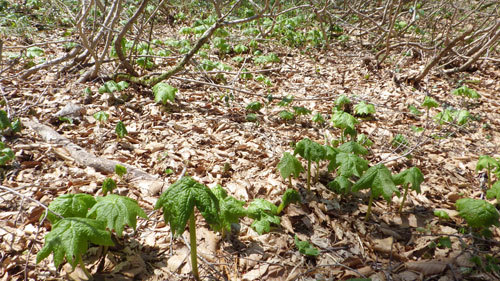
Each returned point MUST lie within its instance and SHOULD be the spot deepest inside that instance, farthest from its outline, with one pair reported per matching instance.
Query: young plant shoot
(288, 166)
(411, 176)
(311, 151)
(290, 196)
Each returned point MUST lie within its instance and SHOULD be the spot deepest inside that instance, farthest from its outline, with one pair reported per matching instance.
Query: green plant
(111, 87)
(318, 118)
(285, 101)
(409, 176)
(443, 215)
(467, 92)
(286, 115)
(413, 110)
(164, 93)
(8, 126)
(379, 180)
(120, 170)
(489, 164)
(399, 141)
(311, 151)
(121, 130)
(363, 109)
(264, 214)
(101, 116)
(290, 196)
(178, 203)
(342, 103)
(6, 154)
(305, 248)
(288, 166)
(478, 213)
(251, 117)
(300, 110)
(429, 103)
(346, 122)
(254, 106)
(231, 209)
(108, 185)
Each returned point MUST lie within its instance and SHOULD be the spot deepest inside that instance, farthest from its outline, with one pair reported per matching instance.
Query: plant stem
(316, 178)
(281, 207)
(192, 241)
(369, 211)
(489, 175)
(290, 181)
(404, 198)
(308, 175)
(82, 266)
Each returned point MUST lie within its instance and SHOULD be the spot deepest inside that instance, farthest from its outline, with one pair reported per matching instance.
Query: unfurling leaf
(310, 150)
(290, 196)
(231, 209)
(70, 238)
(364, 109)
(70, 205)
(305, 248)
(120, 130)
(350, 164)
(411, 176)
(120, 170)
(179, 200)
(477, 213)
(344, 120)
(340, 185)
(164, 93)
(116, 211)
(101, 116)
(377, 178)
(264, 214)
(289, 165)
(108, 185)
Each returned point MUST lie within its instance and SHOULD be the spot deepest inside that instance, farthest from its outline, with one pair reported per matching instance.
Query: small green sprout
(311, 151)
(101, 116)
(290, 196)
(364, 110)
(254, 106)
(409, 176)
(120, 130)
(467, 92)
(164, 93)
(286, 115)
(108, 185)
(288, 166)
(305, 248)
(318, 118)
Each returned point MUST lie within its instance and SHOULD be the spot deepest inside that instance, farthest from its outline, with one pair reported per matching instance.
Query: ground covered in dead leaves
(206, 132)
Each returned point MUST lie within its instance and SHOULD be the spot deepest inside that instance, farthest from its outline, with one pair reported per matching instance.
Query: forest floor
(209, 135)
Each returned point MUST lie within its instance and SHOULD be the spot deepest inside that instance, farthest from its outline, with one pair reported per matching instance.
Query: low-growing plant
(318, 118)
(111, 87)
(120, 130)
(120, 170)
(345, 122)
(364, 109)
(467, 92)
(164, 93)
(479, 214)
(300, 110)
(101, 116)
(489, 164)
(264, 214)
(312, 152)
(254, 106)
(288, 166)
(286, 115)
(231, 209)
(290, 196)
(305, 247)
(409, 176)
(6, 154)
(8, 126)
(429, 103)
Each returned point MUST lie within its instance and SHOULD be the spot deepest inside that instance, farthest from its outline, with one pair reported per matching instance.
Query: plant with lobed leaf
(311, 151)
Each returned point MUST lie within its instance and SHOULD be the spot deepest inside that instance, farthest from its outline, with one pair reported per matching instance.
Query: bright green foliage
(254, 106)
(353, 147)
(101, 116)
(429, 102)
(264, 80)
(240, 49)
(111, 87)
(364, 140)
(364, 109)
(300, 110)
(285, 101)
(462, 116)
(164, 93)
(70, 205)
(116, 211)
(466, 92)
(33, 52)
(445, 116)
(179, 200)
(290, 196)
(305, 248)
(251, 117)
(441, 214)
(6, 154)
(289, 165)
(487, 162)
(4, 120)
(264, 214)
(413, 110)
(399, 141)
(120, 130)
(340, 185)
(231, 209)
(341, 101)
(286, 115)
(379, 179)
(108, 185)
(344, 120)
(477, 213)
(409, 176)
(70, 238)
(331, 154)
(120, 170)
(264, 59)
(350, 164)
(494, 192)
(245, 74)
(310, 150)
(16, 125)
(318, 118)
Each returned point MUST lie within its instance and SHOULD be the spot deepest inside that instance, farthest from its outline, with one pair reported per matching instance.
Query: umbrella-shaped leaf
(310, 150)
(353, 147)
(231, 209)
(364, 109)
(487, 162)
(411, 176)
(494, 192)
(477, 213)
(340, 185)
(71, 205)
(264, 214)
(179, 200)
(164, 93)
(429, 102)
(342, 100)
(289, 165)
(344, 120)
(70, 238)
(350, 164)
(117, 211)
(377, 178)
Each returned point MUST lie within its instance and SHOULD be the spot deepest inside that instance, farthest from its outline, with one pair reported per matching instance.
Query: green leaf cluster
(111, 87)
(478, 213)
(467, 92)
(164, 93)
(6, 154)
(306, 248)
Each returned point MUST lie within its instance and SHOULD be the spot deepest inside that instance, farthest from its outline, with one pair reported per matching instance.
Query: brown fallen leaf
(427, 267)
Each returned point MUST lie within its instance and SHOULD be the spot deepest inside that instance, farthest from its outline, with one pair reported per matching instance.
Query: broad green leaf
(340, 185)
(70, 238)
(342, 100)
(364, 109)
(429, 102)
(300, 110)
(116, 211)
(411, 176)
(477, 213)
(413, 110)
(258, 206)
(318, 118)
(310, 150)
(466, 92)
(285, 101)
(487, 162)
(179, 200)
(4, 120)
(70, 205)
(289, 165)
(353, 147)
(16, 125)
(290, 196)
(263, 224)
(101, 116)
(444, 242)
(377, 178)
(344, 120)
(494, 192)
(305, 248)
(6, 155)
(33, 52)
(120, 130)
(240, 49)
(364, 140)
(462, 116)
(231, 209)
(445, 116)
(399, 141)
(331, 154)
(108, 185)
(441, 214)
(286, 115)
(111, 87)
(164, 93)
(120, 170)
(254, 106)
(350, 164)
